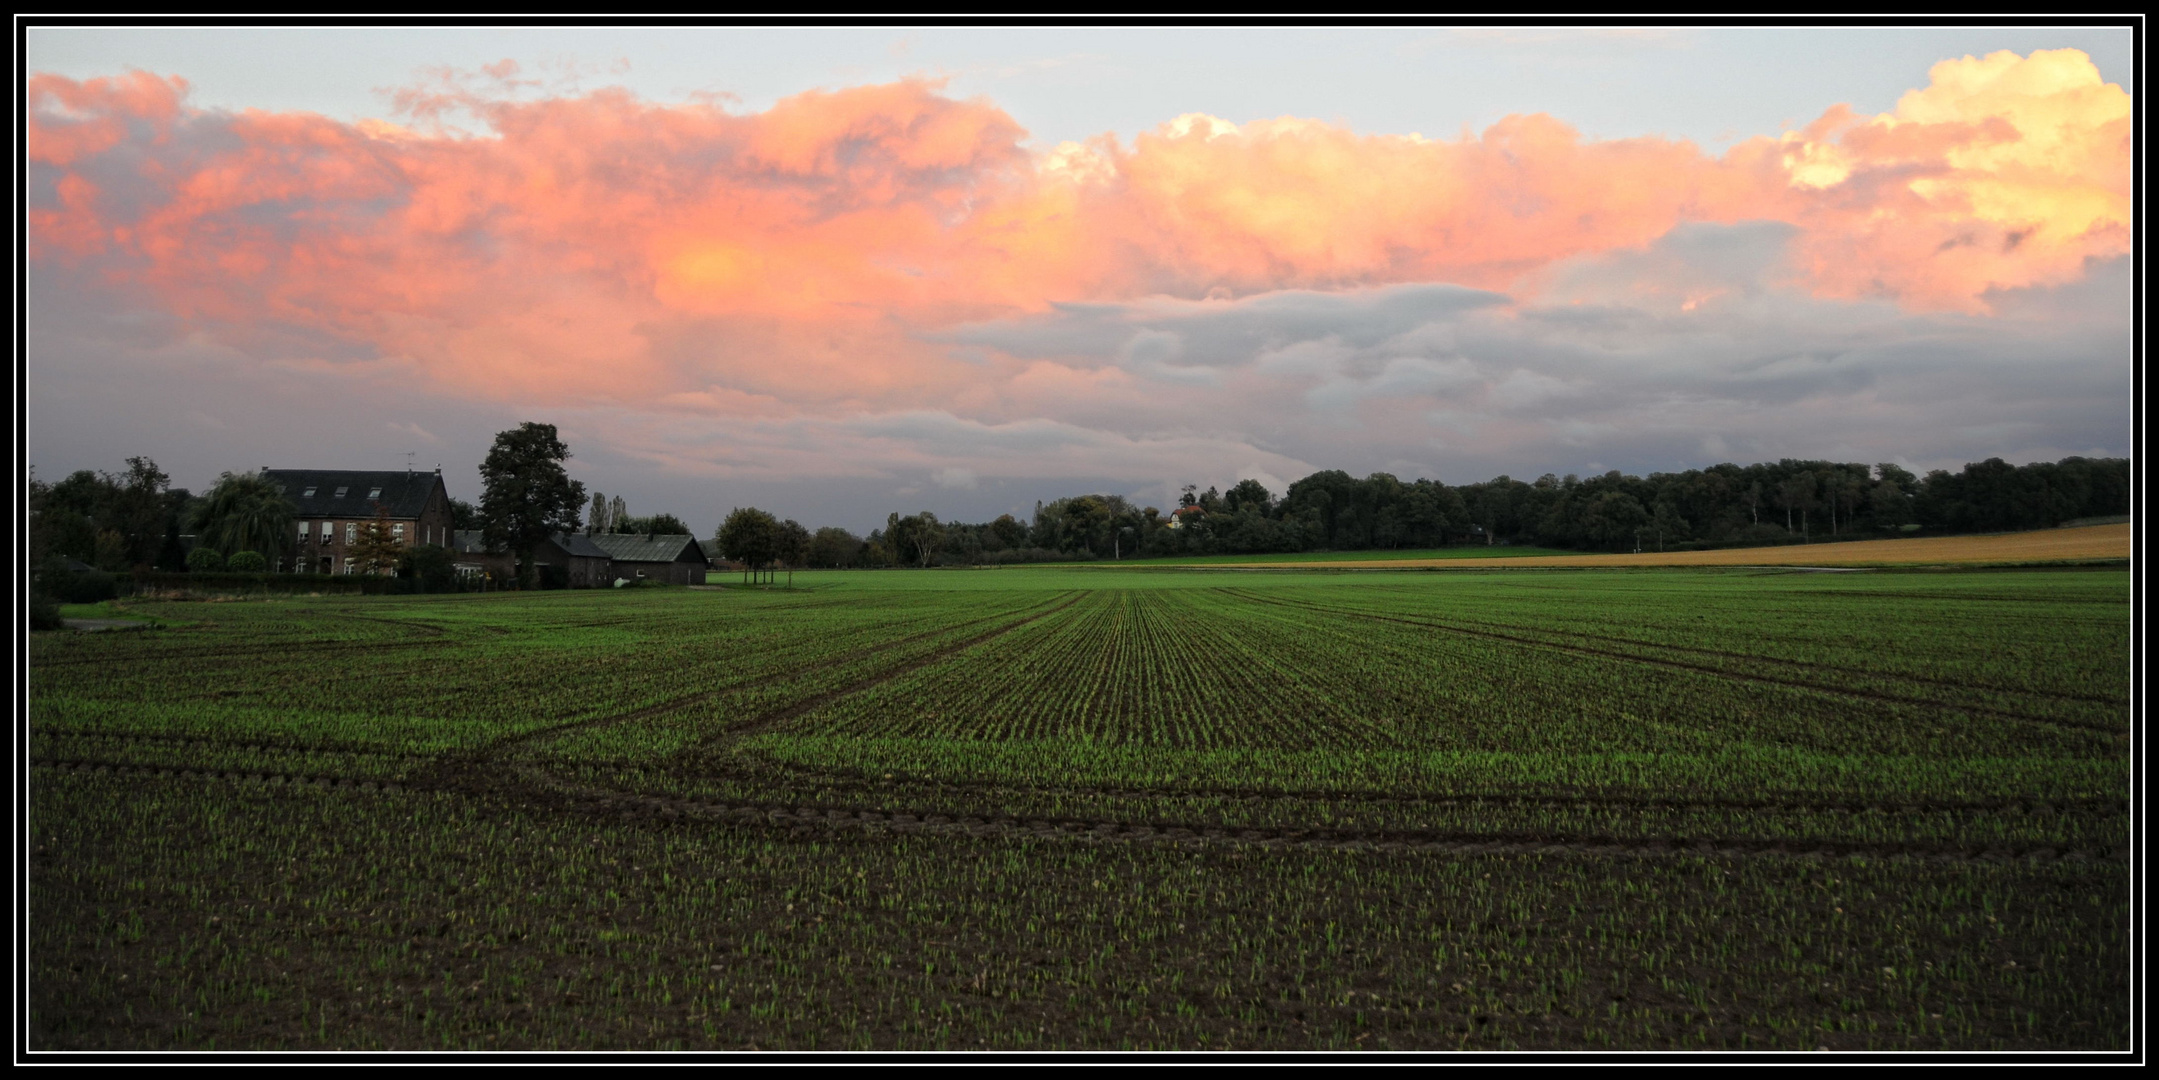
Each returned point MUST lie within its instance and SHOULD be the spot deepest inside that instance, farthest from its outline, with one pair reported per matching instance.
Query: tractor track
(860, 782)
(1585, 799)
(806, 819)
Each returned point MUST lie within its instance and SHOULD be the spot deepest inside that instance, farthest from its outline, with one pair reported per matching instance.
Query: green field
(1468, 551)
(1088, 807)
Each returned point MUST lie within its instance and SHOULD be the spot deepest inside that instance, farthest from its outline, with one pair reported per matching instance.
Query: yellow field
(2046, 545)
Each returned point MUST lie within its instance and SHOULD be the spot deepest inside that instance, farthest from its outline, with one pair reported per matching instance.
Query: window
(339, 493)
(309, 493)
(398, 532)
(303, 532)
(325, 532)
(350, 528)
(374, 493)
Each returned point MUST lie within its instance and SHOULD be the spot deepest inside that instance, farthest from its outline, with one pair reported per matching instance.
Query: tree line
(136, 519)
(1788, 501)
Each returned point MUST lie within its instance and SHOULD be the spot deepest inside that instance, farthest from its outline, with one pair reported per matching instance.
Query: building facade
(332, 505)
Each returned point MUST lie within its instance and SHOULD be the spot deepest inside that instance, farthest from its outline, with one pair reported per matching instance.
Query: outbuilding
(664, 558)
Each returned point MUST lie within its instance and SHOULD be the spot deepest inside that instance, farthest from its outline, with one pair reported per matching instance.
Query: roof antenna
(408, 461)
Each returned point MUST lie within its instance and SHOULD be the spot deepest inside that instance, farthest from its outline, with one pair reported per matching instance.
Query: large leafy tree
(114, 520)
(526, 496)
(751, 537)
(917, 538)
(244, 512)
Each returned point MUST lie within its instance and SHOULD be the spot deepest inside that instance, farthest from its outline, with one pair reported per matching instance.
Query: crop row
(1201, 671)
(1927, 683)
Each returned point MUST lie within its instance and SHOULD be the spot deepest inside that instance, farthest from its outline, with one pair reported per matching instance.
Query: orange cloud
(2004, 171)
(601, 248)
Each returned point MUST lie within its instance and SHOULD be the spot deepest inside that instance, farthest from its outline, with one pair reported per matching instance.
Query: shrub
(89, 587)
(44, 613)
(247, 562)
(205, 558)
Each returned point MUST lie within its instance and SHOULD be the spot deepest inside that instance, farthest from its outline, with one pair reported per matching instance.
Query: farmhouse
(333, 504)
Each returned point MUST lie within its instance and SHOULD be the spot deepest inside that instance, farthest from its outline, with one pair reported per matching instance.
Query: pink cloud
(603, 249)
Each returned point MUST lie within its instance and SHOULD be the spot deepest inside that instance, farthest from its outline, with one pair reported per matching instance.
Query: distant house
(333, 504)
(672, 559)
(469, 555)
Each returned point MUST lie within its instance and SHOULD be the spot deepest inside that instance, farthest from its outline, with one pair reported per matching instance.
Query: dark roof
(637, 547)
(580, 546)
(405, 493)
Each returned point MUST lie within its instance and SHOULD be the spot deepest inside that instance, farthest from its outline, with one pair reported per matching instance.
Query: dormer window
(309, 493)
(374, 493)
(339, 493)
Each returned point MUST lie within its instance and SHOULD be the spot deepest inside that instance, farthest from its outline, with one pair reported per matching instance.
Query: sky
(838, 273)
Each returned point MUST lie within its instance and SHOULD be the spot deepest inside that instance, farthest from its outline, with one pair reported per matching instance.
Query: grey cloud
(1217, 333)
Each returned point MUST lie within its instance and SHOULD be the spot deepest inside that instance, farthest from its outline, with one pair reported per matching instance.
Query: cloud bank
(883, 280)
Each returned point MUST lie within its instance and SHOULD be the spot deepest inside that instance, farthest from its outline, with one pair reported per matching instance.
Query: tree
(244, 512)
(832, 548)
(1248, 493)
(792, 543)
(432, 567)
(656, 525)
(1796, 493)
(1009, 531)
(916, 539)
(749, 536)
(526, 496)
(598, 520)
(464, 516)
(376, 548)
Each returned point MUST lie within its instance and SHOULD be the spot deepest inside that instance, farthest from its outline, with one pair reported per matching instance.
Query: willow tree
(244, 512)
